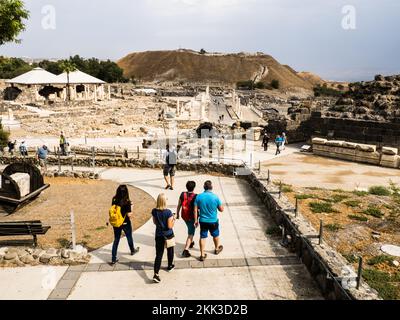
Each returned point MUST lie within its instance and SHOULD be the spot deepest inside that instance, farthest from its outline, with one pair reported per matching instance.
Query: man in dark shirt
(265, 141)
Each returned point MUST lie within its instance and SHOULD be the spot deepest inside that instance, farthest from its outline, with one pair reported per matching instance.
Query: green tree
(260, 85)
(12, 67)
(248, 84)
(51, 66)
(275, 84)
(12, 16)
(202, 51)
(68, 66)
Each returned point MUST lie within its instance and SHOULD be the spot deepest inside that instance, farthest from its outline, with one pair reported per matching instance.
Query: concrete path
(252, 265)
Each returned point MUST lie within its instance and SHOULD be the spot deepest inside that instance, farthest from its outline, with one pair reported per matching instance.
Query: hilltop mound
(311, 78)
(191, 66)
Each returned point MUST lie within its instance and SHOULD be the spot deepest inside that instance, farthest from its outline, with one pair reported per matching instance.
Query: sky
(326, 37)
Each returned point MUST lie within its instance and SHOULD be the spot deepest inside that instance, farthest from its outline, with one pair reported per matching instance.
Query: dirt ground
(307, 170)
(90, 200)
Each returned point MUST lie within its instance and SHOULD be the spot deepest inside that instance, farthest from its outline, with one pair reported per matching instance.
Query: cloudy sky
(307, 35)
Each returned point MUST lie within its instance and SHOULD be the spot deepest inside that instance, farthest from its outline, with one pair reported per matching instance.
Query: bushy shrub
(379, 191)
(373, 211)
(321, 207)
(275, 84)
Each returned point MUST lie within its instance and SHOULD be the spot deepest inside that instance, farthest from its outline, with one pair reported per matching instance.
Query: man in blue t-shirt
(206, 207)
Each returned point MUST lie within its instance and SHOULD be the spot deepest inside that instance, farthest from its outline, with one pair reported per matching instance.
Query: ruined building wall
(361, 131)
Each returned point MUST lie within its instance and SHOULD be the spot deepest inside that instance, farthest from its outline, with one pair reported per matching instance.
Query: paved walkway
(252, 266)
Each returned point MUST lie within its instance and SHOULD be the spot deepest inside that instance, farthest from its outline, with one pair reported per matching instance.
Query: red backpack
(187, 206)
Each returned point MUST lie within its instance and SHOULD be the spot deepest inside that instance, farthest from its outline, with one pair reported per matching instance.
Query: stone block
(319, 141)
(349, 145)
(334, 143)
(210, 263)
(365, 148)
(196, 264)
(390, 161)
(390, 151)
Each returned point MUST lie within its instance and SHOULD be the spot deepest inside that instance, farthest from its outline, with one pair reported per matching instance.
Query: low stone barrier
(21, 257)
(356, 152)
(323, 262)
(184, 165)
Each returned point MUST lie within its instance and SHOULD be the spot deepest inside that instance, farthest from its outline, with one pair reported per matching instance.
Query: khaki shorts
(169, 170)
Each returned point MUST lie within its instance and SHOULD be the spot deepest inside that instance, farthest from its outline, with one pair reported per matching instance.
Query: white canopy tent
(82, 85)
(78, 77)
(35, 76)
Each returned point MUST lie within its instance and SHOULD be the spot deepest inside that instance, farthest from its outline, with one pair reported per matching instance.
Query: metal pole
(359, 276)
(138, 153)
(269, 176)
(321, 231)
(73, 231)
(93, 159)
(59, 162)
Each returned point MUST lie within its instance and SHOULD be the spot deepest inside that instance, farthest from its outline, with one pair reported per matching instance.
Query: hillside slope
(186, 65)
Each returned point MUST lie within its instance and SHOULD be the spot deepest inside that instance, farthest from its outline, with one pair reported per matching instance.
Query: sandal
(219, 250)
(202, 258)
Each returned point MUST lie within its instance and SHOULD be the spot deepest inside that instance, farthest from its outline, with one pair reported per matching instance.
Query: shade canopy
(78, 77)
(35, 76)
(41, 76)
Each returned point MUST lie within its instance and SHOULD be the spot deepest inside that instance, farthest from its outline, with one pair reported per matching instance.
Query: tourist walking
(164, 221)
(284, 141)
(186, 206)
(42, 154)
(11, 147)
(206, 207)
(23, 150)
(63, 142)
(265, 141)
(120, 214)
(169, 170)
(278, 142)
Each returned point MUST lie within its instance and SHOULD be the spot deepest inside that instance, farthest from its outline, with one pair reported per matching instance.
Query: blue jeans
(127, 228)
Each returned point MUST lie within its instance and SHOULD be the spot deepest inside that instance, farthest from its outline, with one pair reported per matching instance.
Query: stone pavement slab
(30, 283)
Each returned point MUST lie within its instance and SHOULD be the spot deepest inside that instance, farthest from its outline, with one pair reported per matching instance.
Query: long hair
(122, 195)
(161, 202)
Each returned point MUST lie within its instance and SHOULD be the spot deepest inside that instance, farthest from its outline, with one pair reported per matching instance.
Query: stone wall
(184, 165)
(359, 131)
(357, 152)
(320, 260)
